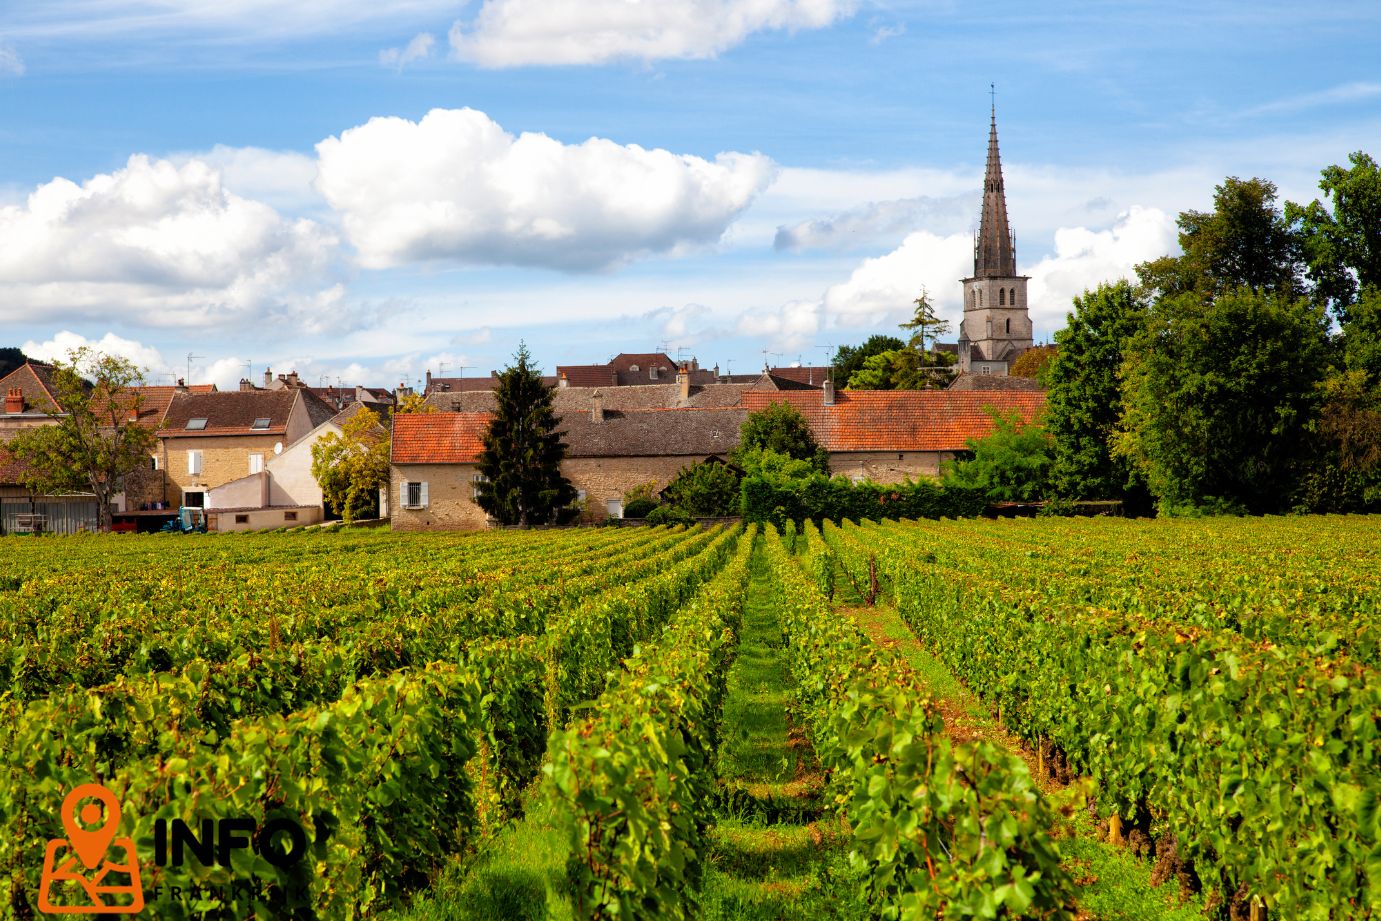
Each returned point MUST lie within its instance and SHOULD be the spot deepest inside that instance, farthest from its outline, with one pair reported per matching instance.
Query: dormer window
(261, 423)
(633, 368)
(652, 372)
(196, 425)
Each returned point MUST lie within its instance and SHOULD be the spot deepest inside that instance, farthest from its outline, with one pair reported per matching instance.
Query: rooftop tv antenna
(190, 356)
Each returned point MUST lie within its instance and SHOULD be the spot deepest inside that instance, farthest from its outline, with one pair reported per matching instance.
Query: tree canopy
(352, 466)
(523, 450)
(11, 358)
(849, 359)
(94, 444)
(1341, 239)
(781, 429)
(1010, 465)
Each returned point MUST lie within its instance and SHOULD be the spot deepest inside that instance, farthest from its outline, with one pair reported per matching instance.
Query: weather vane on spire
(992, 91)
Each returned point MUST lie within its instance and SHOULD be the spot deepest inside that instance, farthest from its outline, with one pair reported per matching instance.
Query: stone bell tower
(996, 327)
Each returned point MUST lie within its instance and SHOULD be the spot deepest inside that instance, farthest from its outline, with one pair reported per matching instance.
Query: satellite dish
(278, 447)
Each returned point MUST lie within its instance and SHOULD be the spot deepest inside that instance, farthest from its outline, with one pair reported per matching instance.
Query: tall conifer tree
(521, 460)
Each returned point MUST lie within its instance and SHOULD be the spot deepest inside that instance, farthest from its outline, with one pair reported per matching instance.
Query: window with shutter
(194, 462)
(256, 463)
(423, 498)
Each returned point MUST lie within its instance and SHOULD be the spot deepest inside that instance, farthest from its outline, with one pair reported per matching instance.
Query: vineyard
(935, 719)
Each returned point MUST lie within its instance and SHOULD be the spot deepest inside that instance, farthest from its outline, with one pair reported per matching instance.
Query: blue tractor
(189, 520)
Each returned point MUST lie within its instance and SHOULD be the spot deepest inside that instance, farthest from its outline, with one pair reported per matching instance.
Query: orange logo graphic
(81, 868)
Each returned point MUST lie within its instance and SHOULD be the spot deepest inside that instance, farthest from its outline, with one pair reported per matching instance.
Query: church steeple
(994, 256)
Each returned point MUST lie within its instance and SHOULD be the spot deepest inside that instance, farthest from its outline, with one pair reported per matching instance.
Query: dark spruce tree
(521, 460)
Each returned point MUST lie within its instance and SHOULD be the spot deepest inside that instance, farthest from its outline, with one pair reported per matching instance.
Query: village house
(433, 471)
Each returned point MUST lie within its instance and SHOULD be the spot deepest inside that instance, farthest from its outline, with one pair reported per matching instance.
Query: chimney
(829, 392)
(563, 382)
(14, 401)
(134, 414)
(268, 378)
(181, 385)
(292, 380)
(683, 384)
(403, 391)
(245, 385)
(597, 407)
(429, 383)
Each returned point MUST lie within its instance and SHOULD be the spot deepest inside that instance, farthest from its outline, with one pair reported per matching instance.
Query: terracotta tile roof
(155, 401)
(438, 438)
(232, 412)
(990, 382)
(654, 433)
(10, 468)
(35, 379)
(588, 375)
(900, 420)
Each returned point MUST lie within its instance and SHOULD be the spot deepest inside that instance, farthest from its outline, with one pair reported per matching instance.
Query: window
(1009, 325)
(615, 508)
(652, 373)
(413, 495)
(196, 425)
(194, 463)
(580, 495)
(256, 463)
(195, 498)
(261, 423)
(632, 367)
(242, 519)
(290, 516)
(1012, 297)
(154, 462)
(980, 297)
(985, 370)
(475, 482)
(1001, 297)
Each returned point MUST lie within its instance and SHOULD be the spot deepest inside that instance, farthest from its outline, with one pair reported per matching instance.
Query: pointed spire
(994, 256)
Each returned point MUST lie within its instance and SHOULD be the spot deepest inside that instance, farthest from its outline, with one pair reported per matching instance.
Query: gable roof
(155, 401)
(990, 382)
(654, 433)
(900, 420)
(438, 438)
(35, 380)
(802, 375)
(580, 399)
(232, 412)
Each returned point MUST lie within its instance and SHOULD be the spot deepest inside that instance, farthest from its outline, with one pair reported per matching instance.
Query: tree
(924, 324)
(11, 358)
(1084, 400)
(1361, 331)
(849, 359)
(708, 489)
(1219, 397)
(94, 444)
(521, 459)
(1033, 362)
(1341, 240)
(413, 403)
(780, 428)
(1010, 465)
(1244, 242)
(352, 466)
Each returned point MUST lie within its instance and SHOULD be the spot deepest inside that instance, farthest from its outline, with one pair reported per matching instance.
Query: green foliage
(670, 515)
(11, 358)
(635, 779)
(708, 489)
(776, 499)
(352, 466)
(1219, 397)
(1362, 334)
(1084, 403)
(1010, 465)
(638, 508)
(93, 444)
(849, 359)
(411, 404)
(521, 460)
(1339, 239)
(1034, 362)
(940, 830)
(924, 324)
(1244, 242)
(781, 428)
(904, 369)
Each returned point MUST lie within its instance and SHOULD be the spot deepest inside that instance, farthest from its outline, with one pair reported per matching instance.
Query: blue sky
(728, 177)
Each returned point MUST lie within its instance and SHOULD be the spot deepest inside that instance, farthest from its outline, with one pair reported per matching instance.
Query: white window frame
(475, 480)
(614, 508)
(194, 462)
(256, 463)
(405, 493)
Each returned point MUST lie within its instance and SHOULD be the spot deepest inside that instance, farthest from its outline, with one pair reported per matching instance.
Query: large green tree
(780, 429)
(848, 359)
(1084, 401)
(523, 450)
(1245, 241)
(1341, 239)
(352, 466)
(706, 489)
(1220, 396)
(93, 443)
(924, 324)
(11, 358)
(1012, 464)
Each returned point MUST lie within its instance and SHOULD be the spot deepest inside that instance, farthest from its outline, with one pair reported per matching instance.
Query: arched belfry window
(1013, 297)
(1001, 297)
(980, 297)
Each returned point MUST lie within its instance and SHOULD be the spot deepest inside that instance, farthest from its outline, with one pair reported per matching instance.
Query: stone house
(209, 439)
(893, 435)
(433, 471)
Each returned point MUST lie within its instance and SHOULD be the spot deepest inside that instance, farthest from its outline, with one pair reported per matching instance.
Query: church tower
(996, 327)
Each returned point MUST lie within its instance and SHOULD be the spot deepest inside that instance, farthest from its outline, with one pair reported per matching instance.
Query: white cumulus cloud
(419, 49)
(455, 186)
(514, 33)
(158, 244)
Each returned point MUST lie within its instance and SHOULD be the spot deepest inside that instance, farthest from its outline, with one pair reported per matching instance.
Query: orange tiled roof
(900, 420)
(438, 438)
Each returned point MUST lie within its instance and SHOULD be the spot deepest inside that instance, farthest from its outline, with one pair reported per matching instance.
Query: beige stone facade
(448, 502)
(259, 519)
(222, 458)
(605, 479)
(888, 466)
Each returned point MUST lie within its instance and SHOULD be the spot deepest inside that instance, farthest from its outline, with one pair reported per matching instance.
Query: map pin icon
(90, 846)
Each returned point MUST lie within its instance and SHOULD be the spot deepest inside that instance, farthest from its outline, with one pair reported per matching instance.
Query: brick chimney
(181, 385)
(245, 385)
(683, 384)
(14, 401)
(268, 378)
(563, 382)
(829, 392)
(134, 414)
(597, 407)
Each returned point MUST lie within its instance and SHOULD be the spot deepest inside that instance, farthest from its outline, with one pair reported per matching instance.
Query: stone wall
(450, 498)
(223, 458)
(888, 466)
(606, 478)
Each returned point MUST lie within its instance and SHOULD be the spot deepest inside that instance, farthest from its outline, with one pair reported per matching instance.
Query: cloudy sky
(367, 191)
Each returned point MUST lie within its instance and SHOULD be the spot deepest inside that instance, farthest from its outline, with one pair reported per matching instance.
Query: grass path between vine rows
(777, 851)
(1114, 885)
